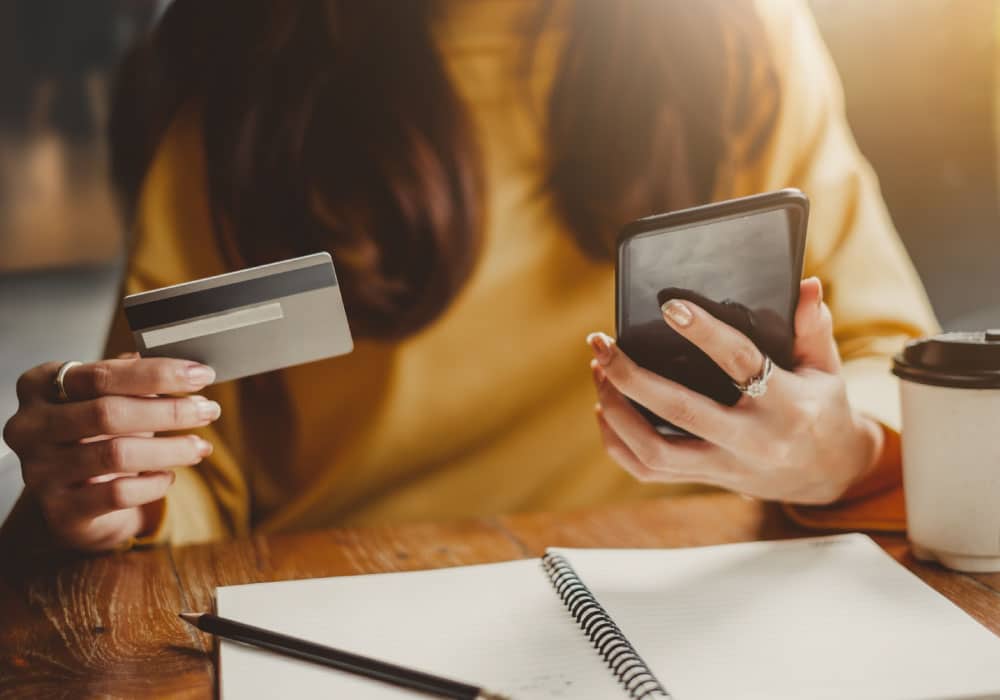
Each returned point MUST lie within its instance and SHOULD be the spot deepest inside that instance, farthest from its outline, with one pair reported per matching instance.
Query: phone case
(773, 332)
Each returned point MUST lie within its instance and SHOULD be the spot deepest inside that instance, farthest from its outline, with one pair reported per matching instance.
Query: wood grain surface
(107, 626)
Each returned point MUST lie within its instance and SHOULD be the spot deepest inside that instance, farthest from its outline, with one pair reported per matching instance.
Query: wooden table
(107, 626)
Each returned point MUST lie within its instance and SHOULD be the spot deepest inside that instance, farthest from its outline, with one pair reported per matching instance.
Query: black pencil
(383, 671)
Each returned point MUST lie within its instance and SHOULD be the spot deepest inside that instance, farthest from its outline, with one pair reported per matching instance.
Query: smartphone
(740, 260)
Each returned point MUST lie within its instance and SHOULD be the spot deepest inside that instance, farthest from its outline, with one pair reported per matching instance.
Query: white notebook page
(496, 625)
(821, 618)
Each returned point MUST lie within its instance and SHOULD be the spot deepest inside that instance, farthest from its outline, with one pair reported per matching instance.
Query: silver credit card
(246, 322)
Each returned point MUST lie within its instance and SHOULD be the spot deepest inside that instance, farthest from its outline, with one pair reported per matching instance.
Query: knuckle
(101, 378)
(107, 415)
(777, 452)
(807, 419)
(29, 383)
(164, 374)
(117, 494)
(23, 387)
(12, 431)
(744, 362)
(182, 412)
(650, 453)
(21, 430)
(682, 413)
(114, 454)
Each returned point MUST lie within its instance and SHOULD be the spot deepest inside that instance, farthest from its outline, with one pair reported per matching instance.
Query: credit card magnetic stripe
(206, 325)
(231, 296)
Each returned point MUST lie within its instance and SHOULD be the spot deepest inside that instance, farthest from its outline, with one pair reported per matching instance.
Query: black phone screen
(740, 260)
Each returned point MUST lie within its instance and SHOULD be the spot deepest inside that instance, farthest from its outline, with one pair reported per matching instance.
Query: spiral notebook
(830, 617)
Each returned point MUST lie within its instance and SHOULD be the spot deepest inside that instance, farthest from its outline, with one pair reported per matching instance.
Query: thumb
(814, 343)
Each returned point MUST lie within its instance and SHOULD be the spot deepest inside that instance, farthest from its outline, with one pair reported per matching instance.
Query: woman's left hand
(801, 442)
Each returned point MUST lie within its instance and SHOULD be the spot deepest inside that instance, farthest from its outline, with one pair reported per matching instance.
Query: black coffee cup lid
(968, 360)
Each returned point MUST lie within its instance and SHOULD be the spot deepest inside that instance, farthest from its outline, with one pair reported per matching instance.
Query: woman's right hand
(92, 462)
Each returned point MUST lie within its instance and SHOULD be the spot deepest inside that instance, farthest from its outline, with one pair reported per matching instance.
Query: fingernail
(203, 446)
(200, 375)
(206, 410)
(601, 344)
(598, 372)
(677, 313)
(819, 295)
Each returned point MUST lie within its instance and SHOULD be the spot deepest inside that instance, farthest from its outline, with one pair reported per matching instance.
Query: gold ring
(60, 378)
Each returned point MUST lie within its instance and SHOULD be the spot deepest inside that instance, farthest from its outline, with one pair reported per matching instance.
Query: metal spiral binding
(621, 657)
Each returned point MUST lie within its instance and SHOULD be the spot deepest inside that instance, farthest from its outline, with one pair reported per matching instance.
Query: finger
(121, 415)
(682, 460)
(104, 532)
(732, 351)
(94, 499)
(687, 409)
(815, 345)
(136, 377)
(122, 455)
(36, 383)
(623, 456)
(620, 452)
(98, 438)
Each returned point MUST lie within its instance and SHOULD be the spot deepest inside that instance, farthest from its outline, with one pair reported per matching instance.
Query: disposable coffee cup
(950, 392)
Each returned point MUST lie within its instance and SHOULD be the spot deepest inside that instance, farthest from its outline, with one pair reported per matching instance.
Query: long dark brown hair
(332, 125)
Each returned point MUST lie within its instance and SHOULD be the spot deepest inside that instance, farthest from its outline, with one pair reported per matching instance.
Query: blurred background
(922, 89)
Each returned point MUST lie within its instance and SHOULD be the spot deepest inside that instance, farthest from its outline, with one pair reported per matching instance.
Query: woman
(468, 164)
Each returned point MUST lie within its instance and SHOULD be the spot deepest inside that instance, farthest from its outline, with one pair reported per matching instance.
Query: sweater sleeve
(870, 285)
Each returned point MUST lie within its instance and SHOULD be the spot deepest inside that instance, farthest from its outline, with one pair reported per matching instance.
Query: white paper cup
(950, 392)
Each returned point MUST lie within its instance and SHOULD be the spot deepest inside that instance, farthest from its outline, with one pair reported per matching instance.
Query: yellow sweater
(489, 410)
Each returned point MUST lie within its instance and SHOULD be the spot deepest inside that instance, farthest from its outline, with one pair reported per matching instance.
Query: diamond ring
(756, 386)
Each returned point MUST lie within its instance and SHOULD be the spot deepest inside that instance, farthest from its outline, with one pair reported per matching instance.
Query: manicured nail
(207, 410)
(203, 446)
(677, 313)
(598, 372)
(200, 375)
(601, 344)
(819, 295)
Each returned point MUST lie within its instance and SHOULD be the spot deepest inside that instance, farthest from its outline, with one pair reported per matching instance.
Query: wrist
(879, 463)
(873, 439)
